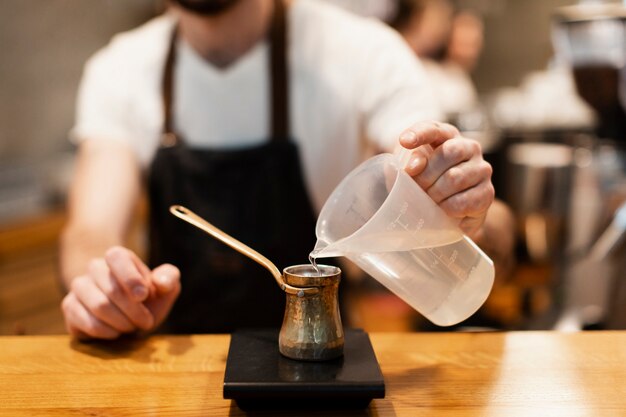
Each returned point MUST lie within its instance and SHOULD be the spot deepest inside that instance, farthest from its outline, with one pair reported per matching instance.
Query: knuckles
(96, 265)
(457, 206)
(101, 308)
(78, 283)
(474, 147)
(480, 204)
(491, 192)
(455, 150)
(66, 305)
(113, 292)
(486, 169)
(115, 253)
(471, 204)
(461, 149)
(451, 130)
(455, 178)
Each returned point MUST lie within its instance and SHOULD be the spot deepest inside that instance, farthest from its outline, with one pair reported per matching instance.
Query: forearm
(79, 245)
(102, 199)
(497, 237)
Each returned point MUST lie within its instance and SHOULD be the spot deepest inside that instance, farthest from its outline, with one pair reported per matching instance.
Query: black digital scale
(258, 377)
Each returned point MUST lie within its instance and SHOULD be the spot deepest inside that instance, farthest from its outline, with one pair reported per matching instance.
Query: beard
(206, 7)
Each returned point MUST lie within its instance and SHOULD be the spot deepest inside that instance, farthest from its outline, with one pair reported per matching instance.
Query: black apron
(256, 195)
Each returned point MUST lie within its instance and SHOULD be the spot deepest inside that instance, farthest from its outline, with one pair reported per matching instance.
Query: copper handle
(192, 218)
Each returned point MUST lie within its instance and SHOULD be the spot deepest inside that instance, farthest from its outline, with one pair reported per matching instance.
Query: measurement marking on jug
(351, 209)
(397, 222)
(453, 257)
(441, 258)
(418, 227)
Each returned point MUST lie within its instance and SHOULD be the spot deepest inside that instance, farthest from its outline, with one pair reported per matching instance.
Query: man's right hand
(119, 294)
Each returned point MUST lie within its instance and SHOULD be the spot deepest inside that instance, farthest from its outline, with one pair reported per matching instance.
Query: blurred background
(541, 85)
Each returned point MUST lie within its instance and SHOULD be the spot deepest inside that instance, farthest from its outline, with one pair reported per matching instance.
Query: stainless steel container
(539, 188)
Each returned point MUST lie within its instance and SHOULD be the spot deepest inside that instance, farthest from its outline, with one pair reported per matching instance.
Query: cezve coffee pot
(311, 328)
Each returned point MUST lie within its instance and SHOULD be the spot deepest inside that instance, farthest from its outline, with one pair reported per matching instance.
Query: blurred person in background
(449, 43)
(379, 9)
(249, 112)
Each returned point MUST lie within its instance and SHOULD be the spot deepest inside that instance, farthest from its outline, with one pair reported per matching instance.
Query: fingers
(418, 160)
(167, 282)
(106, 301)
(450, 154)
(454, 167)
(463, 190)
(99, 305)
(166, 278)
(80, 323)
(106, 283)
(129, 271)
(427, 133)
(472, 203)
(451, 170)
(422, 138)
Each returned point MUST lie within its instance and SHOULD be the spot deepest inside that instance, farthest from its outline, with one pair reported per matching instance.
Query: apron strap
(168, 137)
(279, 73)
(279, 80)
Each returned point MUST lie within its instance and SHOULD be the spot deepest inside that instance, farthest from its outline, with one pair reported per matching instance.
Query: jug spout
(324, 250)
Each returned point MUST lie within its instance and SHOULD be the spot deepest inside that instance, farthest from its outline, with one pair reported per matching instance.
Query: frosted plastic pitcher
(382, 220)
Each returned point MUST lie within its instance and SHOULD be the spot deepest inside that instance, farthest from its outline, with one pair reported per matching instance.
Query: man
(182, 100)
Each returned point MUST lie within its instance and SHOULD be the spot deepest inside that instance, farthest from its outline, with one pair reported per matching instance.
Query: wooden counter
(447, 374)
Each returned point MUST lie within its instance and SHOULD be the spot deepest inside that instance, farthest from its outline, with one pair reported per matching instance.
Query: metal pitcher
(312, 329)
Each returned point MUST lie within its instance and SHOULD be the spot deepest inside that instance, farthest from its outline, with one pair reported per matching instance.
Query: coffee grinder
(591, 39)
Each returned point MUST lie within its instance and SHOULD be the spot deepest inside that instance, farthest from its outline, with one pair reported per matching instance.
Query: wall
(44, 45)
(517, 40)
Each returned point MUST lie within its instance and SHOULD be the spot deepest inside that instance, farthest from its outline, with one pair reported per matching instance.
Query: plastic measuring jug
(382, 220)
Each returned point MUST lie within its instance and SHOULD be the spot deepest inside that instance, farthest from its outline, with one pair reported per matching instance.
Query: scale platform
(258, 377)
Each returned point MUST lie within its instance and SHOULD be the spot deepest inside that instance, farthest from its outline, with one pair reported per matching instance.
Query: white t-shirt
(453, 86)
(353, 83)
